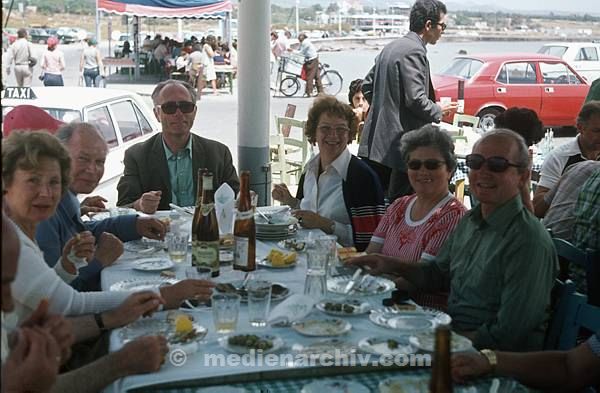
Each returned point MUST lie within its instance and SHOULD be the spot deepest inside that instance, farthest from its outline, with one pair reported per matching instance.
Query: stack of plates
(276, 231)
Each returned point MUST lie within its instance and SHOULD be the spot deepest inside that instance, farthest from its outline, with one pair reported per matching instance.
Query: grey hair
(429, 136)
(588, 110)
(168, 82)
(522, 159)
(66, 131)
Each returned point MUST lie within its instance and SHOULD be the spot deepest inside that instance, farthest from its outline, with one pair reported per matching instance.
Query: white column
(297, 18)
(253, 94)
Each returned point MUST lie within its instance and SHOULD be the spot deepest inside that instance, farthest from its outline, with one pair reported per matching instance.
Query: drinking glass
(315, 284)
(177, 246)
(226, 308)
(328, 245)
(259, 302)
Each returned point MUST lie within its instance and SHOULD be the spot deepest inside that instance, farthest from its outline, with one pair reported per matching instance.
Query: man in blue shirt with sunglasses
(499, 263)
(164, 169)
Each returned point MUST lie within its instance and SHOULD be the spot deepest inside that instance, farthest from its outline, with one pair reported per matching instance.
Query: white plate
(330, 347)
(144, 246)
(371, 286)
(405, 384)
(322, 327)
(425, 341)
(350, 307)
(242, 350)
(152, 326)
(141, 284)
(407, 322)
(221, 389)
(261, 224)
(275, 297)
(266, 263)
(152, 264)
(293, 245)
(334, 386)
(380, 345)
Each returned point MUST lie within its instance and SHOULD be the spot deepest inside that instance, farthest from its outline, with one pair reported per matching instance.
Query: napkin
(293, 309)
(225, 208)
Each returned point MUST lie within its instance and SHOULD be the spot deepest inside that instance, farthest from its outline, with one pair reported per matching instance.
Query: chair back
(459, 118)
(587, 260)
(288, 154)
(284, 126)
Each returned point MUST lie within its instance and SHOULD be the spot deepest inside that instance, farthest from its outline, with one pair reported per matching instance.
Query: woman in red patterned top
(414, 227)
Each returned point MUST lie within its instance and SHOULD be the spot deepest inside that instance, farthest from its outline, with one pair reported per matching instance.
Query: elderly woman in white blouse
(35, 174)
(337, 193)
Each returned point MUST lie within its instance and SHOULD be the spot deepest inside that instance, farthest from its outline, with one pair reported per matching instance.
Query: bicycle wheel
(332, 82)
(289, 86)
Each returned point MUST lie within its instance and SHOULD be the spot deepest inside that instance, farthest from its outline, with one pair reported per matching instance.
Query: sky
(577, 6)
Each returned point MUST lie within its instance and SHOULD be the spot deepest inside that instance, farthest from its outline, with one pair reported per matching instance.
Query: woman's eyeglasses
(170, 107)
(339, 130)
(429, 164)
(494, 164)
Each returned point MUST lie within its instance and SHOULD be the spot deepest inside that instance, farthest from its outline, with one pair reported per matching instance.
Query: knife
(179, 209)
(352, 281)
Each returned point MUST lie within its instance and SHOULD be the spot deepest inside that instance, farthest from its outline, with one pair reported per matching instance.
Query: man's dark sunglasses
(429, 163)
(494, 164)
(442, 25)
(171, 107)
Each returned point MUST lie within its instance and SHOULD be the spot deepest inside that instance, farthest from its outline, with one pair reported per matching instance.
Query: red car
(495, 82)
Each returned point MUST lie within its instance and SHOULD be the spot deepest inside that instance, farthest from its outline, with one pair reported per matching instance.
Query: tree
(333, 8)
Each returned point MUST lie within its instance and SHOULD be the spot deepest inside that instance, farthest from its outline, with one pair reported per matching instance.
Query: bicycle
(291, 67)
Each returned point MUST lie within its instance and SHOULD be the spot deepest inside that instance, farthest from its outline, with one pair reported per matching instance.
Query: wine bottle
(441, 381)
(244, 230)
(205, 230)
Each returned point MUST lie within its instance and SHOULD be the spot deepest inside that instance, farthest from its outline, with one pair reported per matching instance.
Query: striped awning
(201, 9)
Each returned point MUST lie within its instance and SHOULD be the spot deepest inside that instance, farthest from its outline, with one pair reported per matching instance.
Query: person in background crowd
(29, 118)
(559, 371)
(360, 106)
(586, 233)
(91, 65)
(163, 169)
(399, 91)
(335, 175)
(499, 262)
(19, 53)
(208, 50)
(526, 123)
(311, 64)
(594, 93)
(197, 68)
(415, 227)
(53, 64)
(88, 151)
(586, 146)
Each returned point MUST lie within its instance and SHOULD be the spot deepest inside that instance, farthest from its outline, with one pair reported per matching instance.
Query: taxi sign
(22, 93)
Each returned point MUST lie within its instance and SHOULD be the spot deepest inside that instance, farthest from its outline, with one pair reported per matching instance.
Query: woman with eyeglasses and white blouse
(337, 193)
(415, 226)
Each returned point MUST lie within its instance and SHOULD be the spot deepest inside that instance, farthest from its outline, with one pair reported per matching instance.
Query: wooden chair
(288, 154)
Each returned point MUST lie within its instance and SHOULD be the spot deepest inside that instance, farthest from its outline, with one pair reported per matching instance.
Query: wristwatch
(100, 322)
(491, 358)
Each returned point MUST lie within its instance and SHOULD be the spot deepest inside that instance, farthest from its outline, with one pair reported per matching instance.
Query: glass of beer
(177, 246)
(226, 308)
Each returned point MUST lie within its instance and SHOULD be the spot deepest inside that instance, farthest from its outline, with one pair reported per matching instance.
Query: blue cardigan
(53, 233)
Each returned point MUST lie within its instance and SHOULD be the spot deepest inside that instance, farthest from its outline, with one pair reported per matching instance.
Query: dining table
(195, 369)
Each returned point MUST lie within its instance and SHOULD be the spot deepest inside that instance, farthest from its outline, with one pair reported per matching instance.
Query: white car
(121, 116)
(584, 57)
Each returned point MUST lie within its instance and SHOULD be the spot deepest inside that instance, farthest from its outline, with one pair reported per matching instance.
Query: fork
(263, 215)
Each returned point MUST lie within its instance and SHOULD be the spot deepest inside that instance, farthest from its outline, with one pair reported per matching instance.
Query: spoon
(263, 215)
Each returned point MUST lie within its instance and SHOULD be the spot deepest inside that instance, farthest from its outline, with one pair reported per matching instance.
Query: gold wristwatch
(491, 357)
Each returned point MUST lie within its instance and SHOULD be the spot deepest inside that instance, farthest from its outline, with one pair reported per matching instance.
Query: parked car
(584, 57)
(38, 36)
(495, 82)
(67, 35)
(121, 116)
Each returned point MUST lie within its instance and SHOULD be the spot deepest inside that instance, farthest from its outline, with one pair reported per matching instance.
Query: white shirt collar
(340, 164)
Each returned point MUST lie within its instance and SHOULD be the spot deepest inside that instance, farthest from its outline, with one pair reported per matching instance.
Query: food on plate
(346, 253)
(226, 240)
(392, 344)
(251, 341)
(168, 274)
(293, 244)
(174, 314)
(340, 307)
(183, 324)
(405, 307)
(276, 289)
(280, 258)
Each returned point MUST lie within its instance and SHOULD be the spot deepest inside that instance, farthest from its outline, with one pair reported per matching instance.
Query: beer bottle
(244, 231)
(441, 381)
(205, 229)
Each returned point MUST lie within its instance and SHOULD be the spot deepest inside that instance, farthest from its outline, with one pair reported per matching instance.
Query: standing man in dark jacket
(401, 95)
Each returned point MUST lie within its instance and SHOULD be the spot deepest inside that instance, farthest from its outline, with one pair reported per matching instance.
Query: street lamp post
(297, 18)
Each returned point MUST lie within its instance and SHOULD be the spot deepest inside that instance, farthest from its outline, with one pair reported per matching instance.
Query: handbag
(42, 76)
(31, 61)
(303, 73)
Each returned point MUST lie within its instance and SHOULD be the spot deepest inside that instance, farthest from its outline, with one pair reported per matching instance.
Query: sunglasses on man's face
(170, 107)
(494, 164)
(430, 164)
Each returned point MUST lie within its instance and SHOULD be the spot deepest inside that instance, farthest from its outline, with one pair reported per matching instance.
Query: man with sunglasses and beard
(163, 169)
(499, 263)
